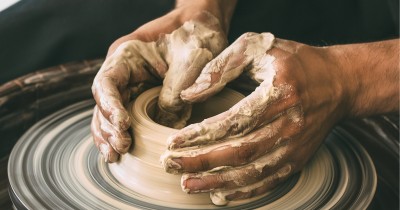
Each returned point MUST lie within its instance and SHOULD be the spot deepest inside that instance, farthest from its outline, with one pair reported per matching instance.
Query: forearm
(222, 9)
(371, 74)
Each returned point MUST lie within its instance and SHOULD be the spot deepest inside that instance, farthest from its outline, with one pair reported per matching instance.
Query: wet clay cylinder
(140, 169)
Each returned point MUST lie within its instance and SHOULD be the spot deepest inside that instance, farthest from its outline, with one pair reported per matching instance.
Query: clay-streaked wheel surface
(55, 165)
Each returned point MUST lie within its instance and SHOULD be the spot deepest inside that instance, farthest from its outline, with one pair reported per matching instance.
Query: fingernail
(193, 183)
(105, 152)
(173, 166)
(184, 179)
(178, 140)
(176, 163)
(187, 184)
(171, 141)
(113, 157)
(122, 145)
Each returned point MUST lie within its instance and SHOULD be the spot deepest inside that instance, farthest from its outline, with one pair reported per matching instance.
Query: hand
(148, 57)
(270, 134)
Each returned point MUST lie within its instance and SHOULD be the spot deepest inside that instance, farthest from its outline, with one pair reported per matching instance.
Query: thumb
(188, 50)
(182, 73)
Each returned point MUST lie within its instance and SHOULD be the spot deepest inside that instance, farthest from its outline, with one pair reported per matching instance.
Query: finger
(186, 55)
(119, 140)
(106, 92)
(222, 197)
(133, 62)
(260, 107)
(173, 112)
(238, 151)
(229, 65)
(234, 177)
(102, 144)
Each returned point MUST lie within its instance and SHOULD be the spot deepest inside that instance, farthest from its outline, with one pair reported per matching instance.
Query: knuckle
(204, 163)
(296, 117)
(169, 103)
(243, 155)
(289, 93)
(245, 36)
(295, 93)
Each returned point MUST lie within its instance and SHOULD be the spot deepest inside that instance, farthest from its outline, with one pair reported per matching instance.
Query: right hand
(172, 49)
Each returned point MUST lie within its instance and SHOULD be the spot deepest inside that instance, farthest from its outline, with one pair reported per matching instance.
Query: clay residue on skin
(189, 48)
(219, 197)
(239, 175)
(248, 48)
(231, 129)
(168, 156)
(104, 151)
(295, 114)
(172, 167)
(244, 116)
(128, 59)
(178, 57)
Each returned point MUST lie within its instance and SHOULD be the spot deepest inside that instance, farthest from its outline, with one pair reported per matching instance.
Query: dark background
(35, 34)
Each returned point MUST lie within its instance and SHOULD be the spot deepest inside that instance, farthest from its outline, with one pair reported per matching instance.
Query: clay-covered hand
(267, 136)
(166, 50)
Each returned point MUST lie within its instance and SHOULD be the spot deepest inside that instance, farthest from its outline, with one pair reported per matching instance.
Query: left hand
(270, 134)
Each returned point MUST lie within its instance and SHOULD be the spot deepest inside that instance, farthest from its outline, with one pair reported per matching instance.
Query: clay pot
(140, 170)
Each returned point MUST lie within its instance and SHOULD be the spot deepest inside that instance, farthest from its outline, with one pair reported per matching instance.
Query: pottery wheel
(55, 165)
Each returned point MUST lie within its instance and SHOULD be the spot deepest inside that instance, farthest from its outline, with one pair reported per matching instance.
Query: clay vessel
(140, 169)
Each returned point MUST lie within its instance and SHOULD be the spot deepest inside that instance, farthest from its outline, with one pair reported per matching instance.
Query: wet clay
(140, 169)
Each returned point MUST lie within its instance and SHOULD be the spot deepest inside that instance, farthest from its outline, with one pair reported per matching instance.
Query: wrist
(221, 9)
(369, 75)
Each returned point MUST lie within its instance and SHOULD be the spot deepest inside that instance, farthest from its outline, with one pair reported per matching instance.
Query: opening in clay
(203, 110)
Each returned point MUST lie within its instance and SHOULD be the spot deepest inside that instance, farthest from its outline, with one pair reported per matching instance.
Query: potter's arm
(372, 72)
